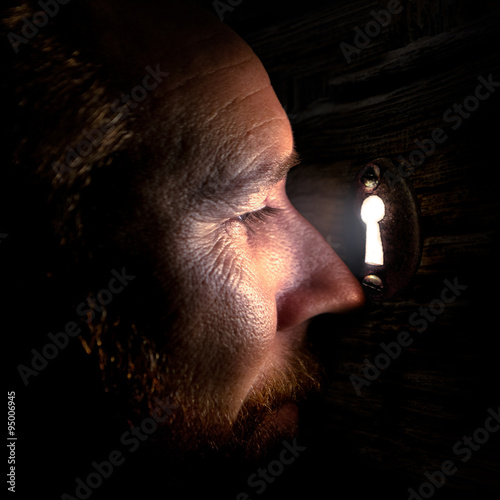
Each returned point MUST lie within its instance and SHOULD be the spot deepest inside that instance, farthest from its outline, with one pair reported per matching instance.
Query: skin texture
(229, 296)
(246, 290)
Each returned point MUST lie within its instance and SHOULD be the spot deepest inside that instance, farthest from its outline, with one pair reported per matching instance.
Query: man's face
(241, 270)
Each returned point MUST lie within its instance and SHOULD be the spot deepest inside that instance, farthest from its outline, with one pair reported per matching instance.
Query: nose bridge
(324, 269)
(315, 255)
(319, 283)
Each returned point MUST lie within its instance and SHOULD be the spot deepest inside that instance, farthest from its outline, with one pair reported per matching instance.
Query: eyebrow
(276, 173)
(250, 180)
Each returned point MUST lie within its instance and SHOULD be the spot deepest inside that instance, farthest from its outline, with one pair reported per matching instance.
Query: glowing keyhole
(372, 212)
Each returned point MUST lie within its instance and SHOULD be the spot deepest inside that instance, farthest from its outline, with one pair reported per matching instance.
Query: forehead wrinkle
(265, 122)
(199, 76)
(236, 100)
(249, 180)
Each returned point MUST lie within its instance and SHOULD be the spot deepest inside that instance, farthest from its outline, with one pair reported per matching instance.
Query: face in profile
(229, 274)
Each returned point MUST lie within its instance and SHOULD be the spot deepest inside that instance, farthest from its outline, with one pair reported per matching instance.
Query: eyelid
(258, 216)
(252, 220)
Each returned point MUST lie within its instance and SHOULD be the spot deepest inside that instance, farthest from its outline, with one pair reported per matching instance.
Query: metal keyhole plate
(387, 209)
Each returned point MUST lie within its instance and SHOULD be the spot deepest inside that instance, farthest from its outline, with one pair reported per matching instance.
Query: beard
(201, 423)
(270, 412)
(268, 415)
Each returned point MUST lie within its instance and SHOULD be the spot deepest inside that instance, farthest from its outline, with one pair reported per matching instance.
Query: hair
(77, 169)
(58, 92)
(69, 175)
(74, 169)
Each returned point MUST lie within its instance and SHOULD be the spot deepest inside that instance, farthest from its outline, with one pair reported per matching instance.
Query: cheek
(275, 257)
(244, 321)
(227, 314)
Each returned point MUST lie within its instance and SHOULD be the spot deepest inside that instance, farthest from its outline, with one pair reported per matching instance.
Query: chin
(205, 421)
(254, 439)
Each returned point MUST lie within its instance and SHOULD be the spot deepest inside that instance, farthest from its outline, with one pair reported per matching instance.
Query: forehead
(218, 118)
(215, 117)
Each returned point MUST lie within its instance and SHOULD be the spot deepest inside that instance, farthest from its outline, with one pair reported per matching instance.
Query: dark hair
(62, 130)
(68, 173)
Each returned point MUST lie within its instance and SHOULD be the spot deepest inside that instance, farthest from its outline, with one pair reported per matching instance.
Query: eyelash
(251, 219)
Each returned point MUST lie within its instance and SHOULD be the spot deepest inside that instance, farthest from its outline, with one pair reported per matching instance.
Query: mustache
(291, 382)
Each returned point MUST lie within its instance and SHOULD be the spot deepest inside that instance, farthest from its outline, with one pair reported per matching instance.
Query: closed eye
(259, 216)
(252, 220)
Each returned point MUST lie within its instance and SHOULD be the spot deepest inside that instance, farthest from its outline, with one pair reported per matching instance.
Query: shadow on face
(163, 168)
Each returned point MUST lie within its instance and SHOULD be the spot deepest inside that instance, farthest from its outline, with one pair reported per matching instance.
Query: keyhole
(372, 212)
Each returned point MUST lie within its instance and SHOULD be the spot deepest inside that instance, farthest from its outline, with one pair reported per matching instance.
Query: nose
(320, 281)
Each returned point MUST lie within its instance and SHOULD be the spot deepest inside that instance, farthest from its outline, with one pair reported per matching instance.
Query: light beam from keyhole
(372, 212)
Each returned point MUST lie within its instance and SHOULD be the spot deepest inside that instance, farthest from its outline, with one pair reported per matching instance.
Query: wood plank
(394, 92)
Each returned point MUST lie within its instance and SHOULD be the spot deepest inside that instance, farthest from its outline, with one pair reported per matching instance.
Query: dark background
(344, 115)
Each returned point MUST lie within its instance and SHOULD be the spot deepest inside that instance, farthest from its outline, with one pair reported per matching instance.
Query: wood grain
(397, 90)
